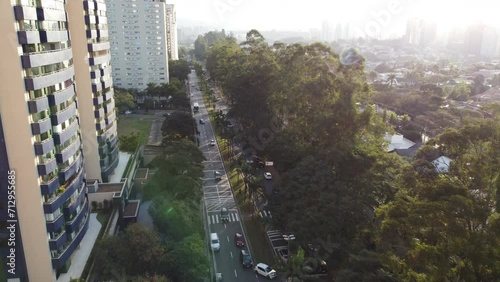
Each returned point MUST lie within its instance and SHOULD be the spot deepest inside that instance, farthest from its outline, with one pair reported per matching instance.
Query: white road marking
(231, 254)
(235, 274)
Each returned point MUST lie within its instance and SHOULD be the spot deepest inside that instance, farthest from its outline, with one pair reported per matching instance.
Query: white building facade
(173, 48)
(139, 48)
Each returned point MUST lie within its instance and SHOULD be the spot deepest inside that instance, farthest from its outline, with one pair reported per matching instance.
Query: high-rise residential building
(139, 48)
(420, 32)
(173, 47)
(54, 85)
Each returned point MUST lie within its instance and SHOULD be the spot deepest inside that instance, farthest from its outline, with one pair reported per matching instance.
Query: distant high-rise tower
(474, 39)
(173, 48)
(56, 108)
(420, 32)
(139, 48)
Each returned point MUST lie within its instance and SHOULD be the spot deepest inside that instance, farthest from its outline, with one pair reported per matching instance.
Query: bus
(196, 107)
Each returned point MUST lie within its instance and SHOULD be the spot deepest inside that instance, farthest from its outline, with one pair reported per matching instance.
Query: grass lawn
(135, 123)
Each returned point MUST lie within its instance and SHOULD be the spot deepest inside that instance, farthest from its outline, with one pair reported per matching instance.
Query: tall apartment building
(139, 48)
(173, 48)
(53, 86)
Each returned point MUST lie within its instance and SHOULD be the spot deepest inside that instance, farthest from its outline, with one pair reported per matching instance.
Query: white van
(214, 242)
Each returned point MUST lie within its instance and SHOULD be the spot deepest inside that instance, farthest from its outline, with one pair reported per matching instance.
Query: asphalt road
(216, 195)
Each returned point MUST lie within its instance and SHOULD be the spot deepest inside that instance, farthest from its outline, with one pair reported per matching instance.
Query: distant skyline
(387, 17)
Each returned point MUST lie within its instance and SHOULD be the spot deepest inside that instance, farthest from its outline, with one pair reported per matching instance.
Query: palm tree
(391, 79)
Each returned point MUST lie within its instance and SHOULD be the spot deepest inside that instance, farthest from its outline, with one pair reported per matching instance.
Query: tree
(372, 75)
(495, 80)
(138, 251)
(461, 92)
(129, 142)
(178, 69)
(124, 101)
(391, 79)
(178, 125)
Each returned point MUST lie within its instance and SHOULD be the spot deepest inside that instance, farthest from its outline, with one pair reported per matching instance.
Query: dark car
(224, 215)
(202, 121)
(246, 259)
(217, 175)
(238, 238)
(283, 253)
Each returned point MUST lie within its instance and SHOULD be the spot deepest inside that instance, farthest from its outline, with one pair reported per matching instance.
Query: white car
(268, 175)
(264, 270)
(212, 142)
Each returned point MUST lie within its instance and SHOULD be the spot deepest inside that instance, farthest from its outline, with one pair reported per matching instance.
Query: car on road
(283, 253)
(239, 240)
(246, 258)
(212, 142)
(128, 112)
(214, 242)
(264, 270)
(268, 175)
(202, 121)
(224, 215)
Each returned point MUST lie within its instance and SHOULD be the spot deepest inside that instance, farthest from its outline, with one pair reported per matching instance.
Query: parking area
(277, 242)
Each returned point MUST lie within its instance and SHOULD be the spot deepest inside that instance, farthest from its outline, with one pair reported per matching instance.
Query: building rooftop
(397, 141)
(110, 187)
(132, 208)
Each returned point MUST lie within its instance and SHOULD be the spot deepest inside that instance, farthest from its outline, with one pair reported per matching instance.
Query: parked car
(268, 175)
(238, 238)
(246, 258)
(217, 175)
(212, 142)
(264, 270)
(202, 121)
(283, 253)
(224, 215)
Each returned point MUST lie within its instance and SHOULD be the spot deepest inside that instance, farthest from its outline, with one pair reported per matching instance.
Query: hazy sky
(388, 16)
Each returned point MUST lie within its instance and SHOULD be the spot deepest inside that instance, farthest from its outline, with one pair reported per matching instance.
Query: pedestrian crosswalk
(215, 218)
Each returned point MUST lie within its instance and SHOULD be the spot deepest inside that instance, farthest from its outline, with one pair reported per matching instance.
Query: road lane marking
(235, 274)
(228, 241)
(231, 254)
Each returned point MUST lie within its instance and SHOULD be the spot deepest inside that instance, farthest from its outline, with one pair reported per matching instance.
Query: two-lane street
(217, 194)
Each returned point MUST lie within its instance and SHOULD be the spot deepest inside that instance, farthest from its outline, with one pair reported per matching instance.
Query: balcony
(58, 200)
(28, 37)
(96, 87)
(48, 167)
(104, 33)
(100, 125)
(42, 148)
(25, 13)
(102, 20)
(41, 126)
(104, 162)
(58, 242)
(92, 47)
(71, 207)
(54, 35)
(100, 6)
(68, 152)
(109, 107)
(50, 186)
(64, 115)
(89, 19)
(45, 58)
(98, 100)
(37, 82)
(66, 173)
(106, 172)
(91, 33)
(100, 60)
(89, 5)
(99, 113)
(103, 150)
(38, 105)
(108, 95)
(110, 118)
(52, 15)
(73, 225)
(60, 96)
(107, 83)
(54, 225)
(63, 256)
(63, 136)
(112, 142)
